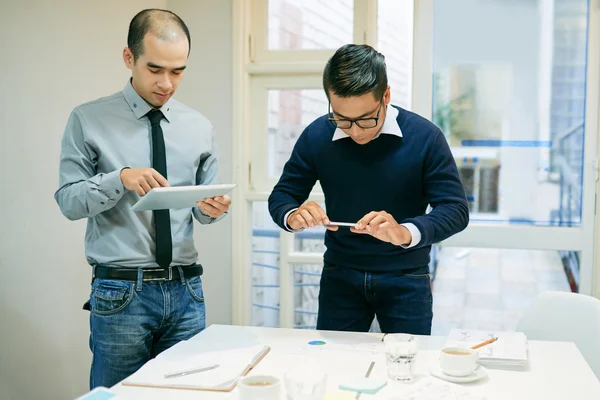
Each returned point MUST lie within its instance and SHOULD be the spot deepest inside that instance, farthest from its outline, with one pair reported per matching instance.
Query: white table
(556, 370)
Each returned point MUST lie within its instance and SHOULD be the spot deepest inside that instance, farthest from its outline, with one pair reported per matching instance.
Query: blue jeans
(349, 299)
(131, 322)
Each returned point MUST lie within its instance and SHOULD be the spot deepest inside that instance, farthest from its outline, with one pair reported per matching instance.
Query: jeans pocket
(417, 276)
(110, 296)
(417, 281)
(194, 286)
(330, 266)
(417, 273)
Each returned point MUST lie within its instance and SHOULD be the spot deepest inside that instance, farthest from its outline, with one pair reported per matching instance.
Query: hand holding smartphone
(347, 224)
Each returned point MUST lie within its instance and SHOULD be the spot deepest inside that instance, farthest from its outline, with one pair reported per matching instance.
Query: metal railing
(567, 156)
(307, 289)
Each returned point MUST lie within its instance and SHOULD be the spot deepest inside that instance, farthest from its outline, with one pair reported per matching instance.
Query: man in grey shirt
(146, 290)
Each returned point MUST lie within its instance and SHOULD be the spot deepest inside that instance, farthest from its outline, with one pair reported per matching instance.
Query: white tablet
(179, 196)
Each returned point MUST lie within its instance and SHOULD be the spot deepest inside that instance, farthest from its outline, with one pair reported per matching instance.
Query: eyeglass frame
(354, 121)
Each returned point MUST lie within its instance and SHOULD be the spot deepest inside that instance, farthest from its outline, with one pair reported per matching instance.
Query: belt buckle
(162, 278)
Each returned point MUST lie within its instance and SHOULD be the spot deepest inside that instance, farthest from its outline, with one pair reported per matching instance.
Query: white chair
(566, 317)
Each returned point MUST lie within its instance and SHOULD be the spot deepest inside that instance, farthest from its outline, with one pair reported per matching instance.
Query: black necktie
(162, 219)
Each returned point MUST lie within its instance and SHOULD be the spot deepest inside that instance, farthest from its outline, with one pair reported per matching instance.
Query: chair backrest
(567, 317)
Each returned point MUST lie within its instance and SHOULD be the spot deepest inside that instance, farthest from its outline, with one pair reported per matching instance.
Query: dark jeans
(349, 299)
(131, 322)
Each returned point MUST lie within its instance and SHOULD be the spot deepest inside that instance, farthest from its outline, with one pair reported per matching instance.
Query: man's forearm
(85, 199)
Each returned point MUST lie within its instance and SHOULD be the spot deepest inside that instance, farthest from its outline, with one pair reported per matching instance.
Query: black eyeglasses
(364, 123)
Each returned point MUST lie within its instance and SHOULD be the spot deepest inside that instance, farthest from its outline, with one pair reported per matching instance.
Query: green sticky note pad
(363, 385)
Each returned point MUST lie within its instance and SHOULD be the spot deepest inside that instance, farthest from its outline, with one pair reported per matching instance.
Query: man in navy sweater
(379, 166)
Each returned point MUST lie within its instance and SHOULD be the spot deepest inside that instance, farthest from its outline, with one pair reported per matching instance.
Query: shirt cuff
(285, 224)
(414, 232)
(111, 185)
(208, 218)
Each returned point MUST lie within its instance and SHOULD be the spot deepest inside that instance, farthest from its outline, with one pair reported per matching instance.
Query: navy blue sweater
(400, 175)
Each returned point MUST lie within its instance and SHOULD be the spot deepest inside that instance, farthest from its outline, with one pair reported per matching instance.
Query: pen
(191, 371)
(255, 359)
(366, 376)
(492, 340)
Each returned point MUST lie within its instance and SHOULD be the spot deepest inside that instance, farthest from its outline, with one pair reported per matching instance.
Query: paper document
(434, 389)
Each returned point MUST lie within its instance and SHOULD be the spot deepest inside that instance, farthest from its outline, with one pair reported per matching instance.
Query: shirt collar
(139, 106)
(390, 125)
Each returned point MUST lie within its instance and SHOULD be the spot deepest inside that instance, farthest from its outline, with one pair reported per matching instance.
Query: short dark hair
(355, 70)
(155, 20)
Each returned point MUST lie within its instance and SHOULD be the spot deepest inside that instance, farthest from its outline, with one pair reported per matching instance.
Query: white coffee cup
(458, 361)
(259, 387)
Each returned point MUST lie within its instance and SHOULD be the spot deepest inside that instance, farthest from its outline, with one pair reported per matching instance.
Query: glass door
(509, 83)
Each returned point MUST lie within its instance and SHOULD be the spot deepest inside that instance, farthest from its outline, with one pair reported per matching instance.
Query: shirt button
(118, 191)
(134, 105)
(102, 203)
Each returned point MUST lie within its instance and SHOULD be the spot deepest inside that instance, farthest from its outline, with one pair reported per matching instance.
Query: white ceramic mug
(458, 361)
(259, 387)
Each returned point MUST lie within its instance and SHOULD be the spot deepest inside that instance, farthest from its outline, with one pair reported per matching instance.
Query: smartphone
(348, 224)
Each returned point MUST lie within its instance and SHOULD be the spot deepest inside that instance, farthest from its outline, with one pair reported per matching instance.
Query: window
(395, 41)
(513, 117)
(290, 42)
(310, 24)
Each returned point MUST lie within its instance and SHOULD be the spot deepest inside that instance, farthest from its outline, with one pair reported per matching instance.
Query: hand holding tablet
(175, 197)
(214, 207)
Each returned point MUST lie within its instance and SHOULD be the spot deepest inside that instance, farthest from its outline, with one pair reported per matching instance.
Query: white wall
(207, 88)
(56, 55)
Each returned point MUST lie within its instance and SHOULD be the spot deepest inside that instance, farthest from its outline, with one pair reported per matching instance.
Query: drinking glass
(305, 384)
(400, 353)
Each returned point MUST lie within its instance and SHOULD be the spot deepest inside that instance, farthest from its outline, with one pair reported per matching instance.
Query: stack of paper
(231, 365)
(435, 389)
(509, 351)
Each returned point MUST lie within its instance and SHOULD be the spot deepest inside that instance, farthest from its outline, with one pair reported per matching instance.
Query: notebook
(232, 365)
(509, 351)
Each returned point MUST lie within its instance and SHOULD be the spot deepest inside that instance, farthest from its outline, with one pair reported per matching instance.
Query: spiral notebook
(232, 365)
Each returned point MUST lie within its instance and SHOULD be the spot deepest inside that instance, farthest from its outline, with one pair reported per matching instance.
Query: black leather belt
(149, 274)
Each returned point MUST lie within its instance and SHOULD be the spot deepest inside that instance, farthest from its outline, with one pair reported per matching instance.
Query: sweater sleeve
(297, 180)
(445, 194)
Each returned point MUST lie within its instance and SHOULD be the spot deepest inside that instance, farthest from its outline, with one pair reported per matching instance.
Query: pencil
(366, 376)
(492, 340)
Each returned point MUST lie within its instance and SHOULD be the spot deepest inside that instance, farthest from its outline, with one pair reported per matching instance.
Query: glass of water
(305, 384)
(400, 353)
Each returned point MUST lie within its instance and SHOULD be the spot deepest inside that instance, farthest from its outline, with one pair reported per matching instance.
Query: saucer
(478, 373)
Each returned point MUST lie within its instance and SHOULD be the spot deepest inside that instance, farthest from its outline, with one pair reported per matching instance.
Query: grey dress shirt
(106, 135)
